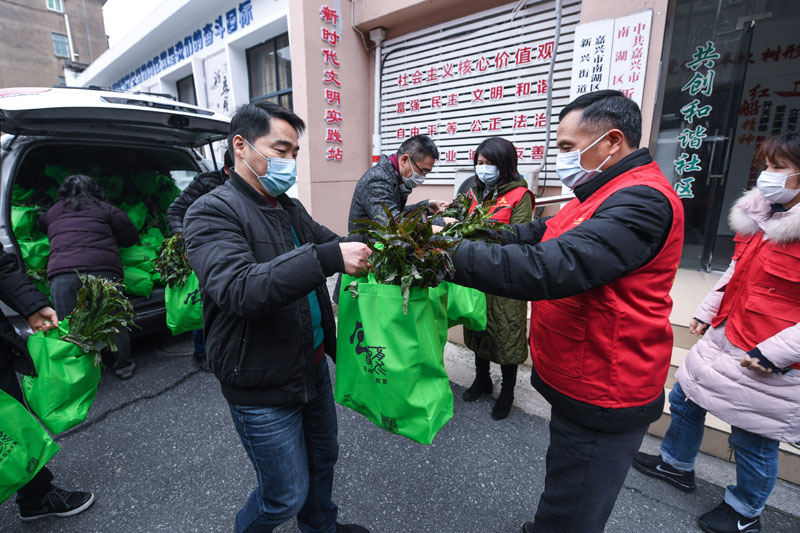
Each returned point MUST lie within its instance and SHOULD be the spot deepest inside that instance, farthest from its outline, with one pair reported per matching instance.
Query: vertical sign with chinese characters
(591, 57)
(330, 33)
(699, 86)
(611, 54)
(629, 55)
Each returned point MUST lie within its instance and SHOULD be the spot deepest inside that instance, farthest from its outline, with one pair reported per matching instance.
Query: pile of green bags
(145, 198)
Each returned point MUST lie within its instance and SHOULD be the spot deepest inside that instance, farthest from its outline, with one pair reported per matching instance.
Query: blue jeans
(756, 456)
(293, 449)
(199, 341)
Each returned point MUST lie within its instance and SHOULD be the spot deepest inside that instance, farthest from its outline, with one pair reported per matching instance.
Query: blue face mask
(281, 173)
(488, 174)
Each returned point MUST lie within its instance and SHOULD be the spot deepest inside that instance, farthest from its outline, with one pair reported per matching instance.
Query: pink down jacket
(711, 376)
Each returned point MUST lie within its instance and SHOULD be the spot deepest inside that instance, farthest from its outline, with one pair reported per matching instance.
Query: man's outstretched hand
(43, 319)
(355, 256)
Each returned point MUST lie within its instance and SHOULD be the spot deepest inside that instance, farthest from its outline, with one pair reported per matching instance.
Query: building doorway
(732, 80)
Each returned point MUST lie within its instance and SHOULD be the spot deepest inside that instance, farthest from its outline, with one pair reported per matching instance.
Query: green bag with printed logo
(25, 446)
(390, 364)
(184, 306)
(66, 380)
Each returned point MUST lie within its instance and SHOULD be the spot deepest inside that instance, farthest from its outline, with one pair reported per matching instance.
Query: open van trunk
(140, 179)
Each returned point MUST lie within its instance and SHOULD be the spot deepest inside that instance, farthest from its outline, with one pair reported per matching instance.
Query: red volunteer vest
(611, 346)
(504, 204)
(762, 297)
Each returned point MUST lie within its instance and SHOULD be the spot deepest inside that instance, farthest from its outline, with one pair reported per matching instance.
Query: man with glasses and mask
(391, 180)
(599, 274)
(262, 262)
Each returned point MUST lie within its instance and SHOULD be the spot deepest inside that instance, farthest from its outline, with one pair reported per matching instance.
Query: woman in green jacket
(504, 341)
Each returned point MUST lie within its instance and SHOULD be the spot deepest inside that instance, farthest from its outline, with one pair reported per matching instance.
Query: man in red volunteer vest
(599, 275)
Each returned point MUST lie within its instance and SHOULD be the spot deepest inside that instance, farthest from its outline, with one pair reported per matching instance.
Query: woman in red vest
(504, 341)
(746, 368)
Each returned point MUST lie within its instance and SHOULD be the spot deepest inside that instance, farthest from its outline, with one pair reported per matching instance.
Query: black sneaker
(350, 528)
(481, 385)
(723, 519)
(125, 372)
(201, 362)
(652, 465)
(58, 502)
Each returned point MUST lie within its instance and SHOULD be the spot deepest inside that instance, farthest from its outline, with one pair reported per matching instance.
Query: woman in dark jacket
(504, 341)
(85, 233)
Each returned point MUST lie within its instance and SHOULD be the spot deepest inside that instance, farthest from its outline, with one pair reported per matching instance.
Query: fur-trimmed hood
(752, 213)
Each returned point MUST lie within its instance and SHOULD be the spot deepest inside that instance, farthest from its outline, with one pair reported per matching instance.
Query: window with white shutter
(476, 77)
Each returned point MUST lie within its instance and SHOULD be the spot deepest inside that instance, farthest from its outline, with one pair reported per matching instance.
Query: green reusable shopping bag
(35, 252)
(390, 365)
(137, 282)
(66, 382)
(184, 306)
(152, 238)
(21, 194)
(25, 446)
(138, 256)
(464, 306)
(23, 221)
(136, 212)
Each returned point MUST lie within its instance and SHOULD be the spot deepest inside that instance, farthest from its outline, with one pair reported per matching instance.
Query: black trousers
(31, 494)
(585, 472)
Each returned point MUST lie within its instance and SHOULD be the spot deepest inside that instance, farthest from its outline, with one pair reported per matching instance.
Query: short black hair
(603, 110)
(251, 121)
(227, 159)
(501, 153)
(419, 147)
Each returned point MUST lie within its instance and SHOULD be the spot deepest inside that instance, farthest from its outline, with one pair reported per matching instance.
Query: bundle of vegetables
(476, 225)
(101, 311)
(171, 263)
(406, 252)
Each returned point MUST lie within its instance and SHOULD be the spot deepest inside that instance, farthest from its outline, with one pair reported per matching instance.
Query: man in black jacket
(598, 275)
(39, 498)
(262, 262)
(390, 181)
(201, 184)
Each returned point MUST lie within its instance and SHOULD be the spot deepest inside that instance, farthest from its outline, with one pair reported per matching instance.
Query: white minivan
(97, 132)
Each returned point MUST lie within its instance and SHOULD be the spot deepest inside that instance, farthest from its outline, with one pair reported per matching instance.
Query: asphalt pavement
(161, 454)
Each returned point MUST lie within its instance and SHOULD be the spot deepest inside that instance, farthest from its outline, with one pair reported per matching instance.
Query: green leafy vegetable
(406, 252)
(171, 263)
(101, 311)
(476, 225)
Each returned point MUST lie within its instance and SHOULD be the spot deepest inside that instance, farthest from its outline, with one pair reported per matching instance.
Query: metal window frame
(60, 3)
(280, 92)
(65, 43)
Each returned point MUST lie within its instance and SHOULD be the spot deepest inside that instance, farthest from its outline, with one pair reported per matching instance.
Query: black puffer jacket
(255, 283)
(201, 184)
(87, 238)
(19, 293)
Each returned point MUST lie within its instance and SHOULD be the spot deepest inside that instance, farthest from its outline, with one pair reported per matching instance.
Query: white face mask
(569, 168)
(772, 186)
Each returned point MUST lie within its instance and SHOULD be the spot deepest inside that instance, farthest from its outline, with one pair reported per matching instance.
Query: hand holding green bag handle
(184, 306)
(390, 365)
(25, 446)
(66, 382)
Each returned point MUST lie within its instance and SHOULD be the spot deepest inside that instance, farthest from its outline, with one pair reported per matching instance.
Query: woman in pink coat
(746, 368)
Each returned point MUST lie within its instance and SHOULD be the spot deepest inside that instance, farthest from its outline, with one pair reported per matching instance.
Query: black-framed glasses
(415, 164)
